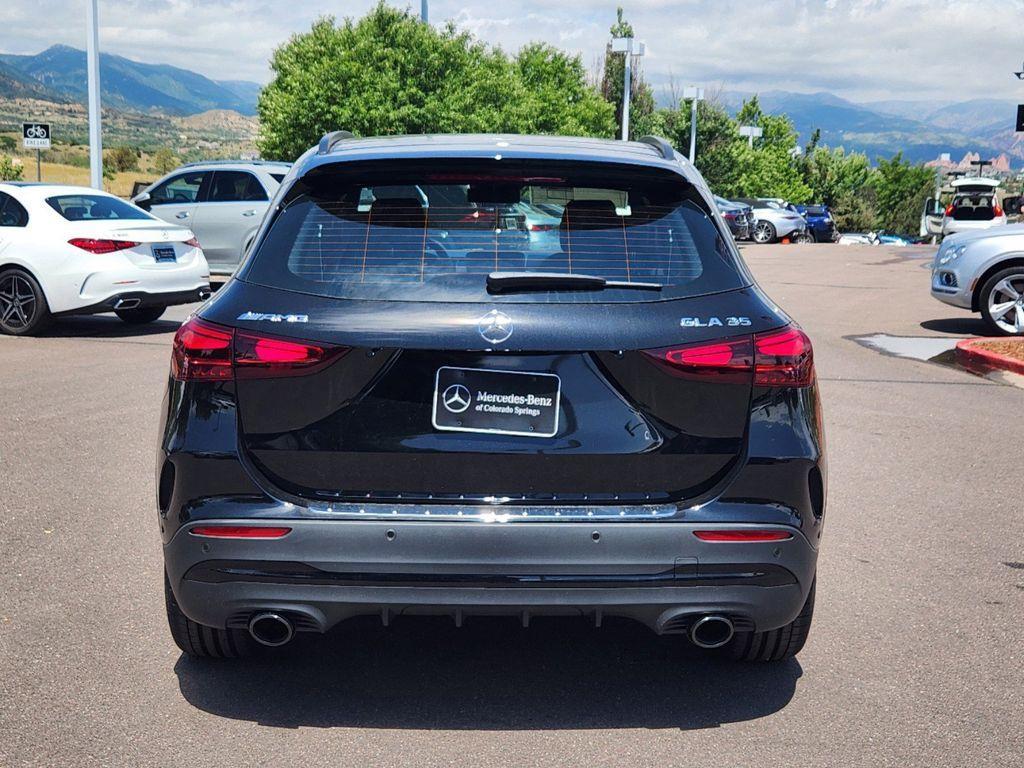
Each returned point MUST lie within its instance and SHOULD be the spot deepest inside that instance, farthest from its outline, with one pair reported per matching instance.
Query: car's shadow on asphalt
(489, 675)
(960, 326)
(105, 327)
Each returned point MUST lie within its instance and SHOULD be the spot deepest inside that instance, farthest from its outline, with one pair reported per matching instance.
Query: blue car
(819, 222)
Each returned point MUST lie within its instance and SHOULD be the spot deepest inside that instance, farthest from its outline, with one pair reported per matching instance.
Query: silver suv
(222, 202)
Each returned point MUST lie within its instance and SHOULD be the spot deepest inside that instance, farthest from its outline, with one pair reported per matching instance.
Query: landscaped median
(985, 355)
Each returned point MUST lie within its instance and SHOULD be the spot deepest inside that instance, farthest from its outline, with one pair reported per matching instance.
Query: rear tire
(140, 316)
(775, 644)
(805, 237)
(200, 641)
(764, 232)
(23, 307)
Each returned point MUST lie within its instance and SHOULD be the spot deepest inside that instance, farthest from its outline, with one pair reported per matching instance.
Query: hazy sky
(861, 49)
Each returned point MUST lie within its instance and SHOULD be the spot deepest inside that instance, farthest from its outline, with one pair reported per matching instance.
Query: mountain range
(59, 74)
(922, 130)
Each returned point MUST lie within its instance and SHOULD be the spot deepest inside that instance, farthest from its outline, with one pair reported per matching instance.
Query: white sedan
(73, 250)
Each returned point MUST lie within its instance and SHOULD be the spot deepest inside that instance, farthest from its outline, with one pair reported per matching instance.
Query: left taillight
(192, 242)
(204, 351)
(94, 245)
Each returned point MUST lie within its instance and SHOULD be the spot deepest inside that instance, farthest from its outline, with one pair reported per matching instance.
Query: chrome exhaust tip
(127, 303)
(271, 629)
(711, 631)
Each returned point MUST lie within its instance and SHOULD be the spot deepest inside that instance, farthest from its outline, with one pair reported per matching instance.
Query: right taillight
(783, 358)
(949, 210)
(204, 351)
(723, 360)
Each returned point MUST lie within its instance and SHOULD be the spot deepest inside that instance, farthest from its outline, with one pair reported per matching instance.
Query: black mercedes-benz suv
(414, 399)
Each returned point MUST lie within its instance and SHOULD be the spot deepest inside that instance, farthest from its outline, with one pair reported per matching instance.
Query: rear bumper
(142, 300)
(326, 571)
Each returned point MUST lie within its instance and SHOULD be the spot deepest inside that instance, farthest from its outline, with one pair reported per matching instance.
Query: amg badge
(274, 317)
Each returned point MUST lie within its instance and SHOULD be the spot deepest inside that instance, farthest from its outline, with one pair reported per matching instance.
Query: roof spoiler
(660, 144)
(331, 140)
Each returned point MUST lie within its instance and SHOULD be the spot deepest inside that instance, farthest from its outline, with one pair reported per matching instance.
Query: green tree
(855, 211)
(560, 100)
(832, 174)
(770, 168)
(7, 143)
(9, 171)
(719, 144)
(899, 188)
(642, 120)
(388, 73)
(123, 159)
(164, 161)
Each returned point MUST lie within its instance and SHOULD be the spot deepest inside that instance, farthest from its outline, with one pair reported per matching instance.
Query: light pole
(625, 46)
(93, 72)
(694, 94)
(751, 132)
(424, 11)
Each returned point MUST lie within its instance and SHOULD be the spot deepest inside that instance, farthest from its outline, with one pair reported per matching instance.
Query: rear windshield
(94, 207)
(433, 232)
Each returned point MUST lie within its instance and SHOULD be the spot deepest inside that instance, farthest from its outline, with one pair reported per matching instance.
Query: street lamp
(424, 11)
(93, 73)
(694, 94)
(629, 47)
(751, 132)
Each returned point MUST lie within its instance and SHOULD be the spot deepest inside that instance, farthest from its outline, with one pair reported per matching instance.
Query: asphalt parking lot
(916, 657)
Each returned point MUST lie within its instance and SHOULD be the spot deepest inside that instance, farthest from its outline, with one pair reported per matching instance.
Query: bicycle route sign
(35, 135)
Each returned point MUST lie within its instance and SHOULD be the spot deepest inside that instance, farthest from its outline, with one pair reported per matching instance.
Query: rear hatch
(411, 353)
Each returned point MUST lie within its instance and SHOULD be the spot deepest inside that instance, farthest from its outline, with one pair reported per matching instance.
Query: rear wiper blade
(508, 282)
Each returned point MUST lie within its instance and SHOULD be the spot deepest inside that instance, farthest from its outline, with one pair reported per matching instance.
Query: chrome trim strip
(493, 513)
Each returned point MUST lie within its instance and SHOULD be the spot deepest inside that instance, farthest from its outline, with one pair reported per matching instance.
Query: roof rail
(660, 144)
(331, 140)
(235, 162)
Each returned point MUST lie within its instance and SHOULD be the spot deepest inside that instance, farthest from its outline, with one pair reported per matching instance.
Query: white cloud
(903, 49)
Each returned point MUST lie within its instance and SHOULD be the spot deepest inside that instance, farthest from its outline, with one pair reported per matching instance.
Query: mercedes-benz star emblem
(495, 326)
(456, 398)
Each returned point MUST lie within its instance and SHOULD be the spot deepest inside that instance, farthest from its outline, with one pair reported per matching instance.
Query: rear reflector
(743, 535)
(783, 359)
(93, 245)
(206, 352)
(239, 531)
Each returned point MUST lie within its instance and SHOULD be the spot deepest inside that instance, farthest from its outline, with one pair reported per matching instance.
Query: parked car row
(767, 220)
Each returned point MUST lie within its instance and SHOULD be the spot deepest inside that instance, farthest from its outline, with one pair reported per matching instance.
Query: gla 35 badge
(713, 322)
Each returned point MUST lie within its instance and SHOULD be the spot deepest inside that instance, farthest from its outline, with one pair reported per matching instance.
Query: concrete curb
(970, 356)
